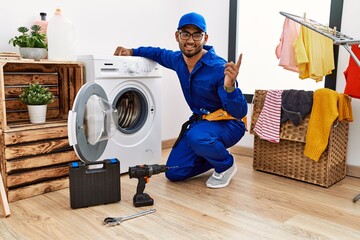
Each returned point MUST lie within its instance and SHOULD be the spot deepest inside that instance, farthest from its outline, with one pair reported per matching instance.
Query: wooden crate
(34, 157)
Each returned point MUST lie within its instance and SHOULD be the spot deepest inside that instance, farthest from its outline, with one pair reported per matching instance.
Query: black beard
(190, 55)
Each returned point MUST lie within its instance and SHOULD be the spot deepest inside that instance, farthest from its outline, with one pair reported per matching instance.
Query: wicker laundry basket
(286, 157)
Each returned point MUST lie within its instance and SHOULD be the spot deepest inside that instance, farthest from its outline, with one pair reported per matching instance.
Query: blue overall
(204, 144)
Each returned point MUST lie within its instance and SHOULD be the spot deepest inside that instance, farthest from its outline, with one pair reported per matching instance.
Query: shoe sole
(227, 183)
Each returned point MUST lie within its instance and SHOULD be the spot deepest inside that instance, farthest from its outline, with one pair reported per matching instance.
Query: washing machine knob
(131, 69)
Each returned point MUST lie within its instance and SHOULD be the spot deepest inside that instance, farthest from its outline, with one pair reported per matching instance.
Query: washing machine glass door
(91, 122)
(132, 107)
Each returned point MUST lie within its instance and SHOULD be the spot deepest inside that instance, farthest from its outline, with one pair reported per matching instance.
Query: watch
(229, 89)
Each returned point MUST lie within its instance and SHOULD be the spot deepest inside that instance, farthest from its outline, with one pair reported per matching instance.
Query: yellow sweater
(328, 105)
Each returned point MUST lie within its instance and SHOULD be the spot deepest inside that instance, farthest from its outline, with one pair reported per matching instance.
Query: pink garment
(267, 126)
(285, 49)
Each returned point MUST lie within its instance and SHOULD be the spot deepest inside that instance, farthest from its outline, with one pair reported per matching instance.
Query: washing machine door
(91, 122)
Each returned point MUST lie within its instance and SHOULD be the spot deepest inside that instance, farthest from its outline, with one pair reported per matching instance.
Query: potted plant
(31, 45)
(37, 98)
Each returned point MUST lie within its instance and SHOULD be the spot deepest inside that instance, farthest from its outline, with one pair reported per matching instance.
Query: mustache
(190, 44)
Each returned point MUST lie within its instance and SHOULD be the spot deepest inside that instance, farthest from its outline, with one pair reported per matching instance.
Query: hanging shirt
(352, 75)
(314, 54)
(267, 126)
(285, 49)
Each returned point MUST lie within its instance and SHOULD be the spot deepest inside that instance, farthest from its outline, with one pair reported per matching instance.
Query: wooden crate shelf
(34, 157)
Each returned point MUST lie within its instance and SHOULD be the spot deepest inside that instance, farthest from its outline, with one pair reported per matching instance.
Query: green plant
(36, 94)
(34, 39)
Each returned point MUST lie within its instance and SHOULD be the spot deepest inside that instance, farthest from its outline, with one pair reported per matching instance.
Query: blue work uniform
(204, 144)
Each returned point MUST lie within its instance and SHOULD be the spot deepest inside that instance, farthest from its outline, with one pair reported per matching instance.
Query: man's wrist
(229, 89)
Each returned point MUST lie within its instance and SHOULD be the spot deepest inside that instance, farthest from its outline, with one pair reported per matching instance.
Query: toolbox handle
(95, 166)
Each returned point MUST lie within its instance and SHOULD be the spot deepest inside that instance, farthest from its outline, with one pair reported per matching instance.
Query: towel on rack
(352, 75)
(295, 105)
(328, 105)
(314, 54)
(267, 126)
(285, 49)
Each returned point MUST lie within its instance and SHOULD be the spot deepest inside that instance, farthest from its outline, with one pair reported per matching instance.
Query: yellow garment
(328, 105)
(314, 54)
(221, 114)
(344, 106)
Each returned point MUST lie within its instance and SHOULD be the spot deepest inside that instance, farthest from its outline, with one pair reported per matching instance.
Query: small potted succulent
(37, 97)
(31, 45)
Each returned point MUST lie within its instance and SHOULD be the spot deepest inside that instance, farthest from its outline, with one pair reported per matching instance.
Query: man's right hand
(121, 51)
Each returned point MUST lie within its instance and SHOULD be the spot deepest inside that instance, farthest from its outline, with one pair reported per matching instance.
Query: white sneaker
(220, 180)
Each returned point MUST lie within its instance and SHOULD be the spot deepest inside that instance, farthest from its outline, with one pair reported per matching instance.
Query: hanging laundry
(352, 75)
(267, 126)
(295, 105)
(328, 106)
(314, 54)
(285, 49)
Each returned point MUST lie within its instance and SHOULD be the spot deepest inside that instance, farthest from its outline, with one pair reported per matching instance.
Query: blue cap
(193, 19)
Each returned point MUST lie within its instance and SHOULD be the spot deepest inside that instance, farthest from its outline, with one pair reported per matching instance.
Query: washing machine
(116, 113)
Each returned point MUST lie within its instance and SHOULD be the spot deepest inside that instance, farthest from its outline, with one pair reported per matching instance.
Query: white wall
(102, 25)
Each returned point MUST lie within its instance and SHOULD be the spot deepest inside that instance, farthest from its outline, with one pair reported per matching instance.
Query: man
(209, 85)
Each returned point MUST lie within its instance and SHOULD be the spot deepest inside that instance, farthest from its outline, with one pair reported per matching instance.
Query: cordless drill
(143, 174)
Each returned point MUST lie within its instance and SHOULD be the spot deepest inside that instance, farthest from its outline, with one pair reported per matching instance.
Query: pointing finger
(238, 63)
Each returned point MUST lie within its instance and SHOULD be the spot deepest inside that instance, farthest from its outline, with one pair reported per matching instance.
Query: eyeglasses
(196, 36)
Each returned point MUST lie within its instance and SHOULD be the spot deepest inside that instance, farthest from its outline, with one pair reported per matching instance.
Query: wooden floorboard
(256, 205)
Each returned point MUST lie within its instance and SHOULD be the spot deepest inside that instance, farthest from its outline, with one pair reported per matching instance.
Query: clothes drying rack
(338, 37)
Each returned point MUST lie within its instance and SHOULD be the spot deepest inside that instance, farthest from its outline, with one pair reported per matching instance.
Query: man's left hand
(231, 72)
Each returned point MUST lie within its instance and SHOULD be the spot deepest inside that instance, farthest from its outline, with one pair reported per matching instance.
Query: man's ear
(177, 35)
(205, 38)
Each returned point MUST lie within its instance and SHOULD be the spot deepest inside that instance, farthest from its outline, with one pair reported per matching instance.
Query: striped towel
(267, 126)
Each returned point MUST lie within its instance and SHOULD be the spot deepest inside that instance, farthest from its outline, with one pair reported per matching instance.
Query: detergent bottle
(42, 23)
(61, 38)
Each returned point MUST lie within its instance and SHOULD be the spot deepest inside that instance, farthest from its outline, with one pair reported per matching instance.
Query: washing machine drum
(91, 122)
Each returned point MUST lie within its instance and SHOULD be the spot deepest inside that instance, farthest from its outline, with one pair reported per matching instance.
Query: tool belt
(218, 115)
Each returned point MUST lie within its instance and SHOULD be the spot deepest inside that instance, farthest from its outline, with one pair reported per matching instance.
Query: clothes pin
(3, 199)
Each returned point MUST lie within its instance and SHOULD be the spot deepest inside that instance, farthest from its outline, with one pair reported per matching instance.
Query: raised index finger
(238, 63)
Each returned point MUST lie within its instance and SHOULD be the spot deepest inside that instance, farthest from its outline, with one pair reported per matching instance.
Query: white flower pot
(37, 113)
(33, 53)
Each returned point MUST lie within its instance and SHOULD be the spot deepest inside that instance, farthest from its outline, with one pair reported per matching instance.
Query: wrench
(113, 221)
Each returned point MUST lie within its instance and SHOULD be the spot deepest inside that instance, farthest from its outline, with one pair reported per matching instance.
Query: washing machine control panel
(124, 67)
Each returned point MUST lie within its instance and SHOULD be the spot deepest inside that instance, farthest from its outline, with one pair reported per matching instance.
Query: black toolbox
(94, 183)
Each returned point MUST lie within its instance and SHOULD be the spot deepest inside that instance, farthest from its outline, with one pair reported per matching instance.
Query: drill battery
(94, 183)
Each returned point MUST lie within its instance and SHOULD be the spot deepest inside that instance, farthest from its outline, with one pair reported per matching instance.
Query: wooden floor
(255, 205)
